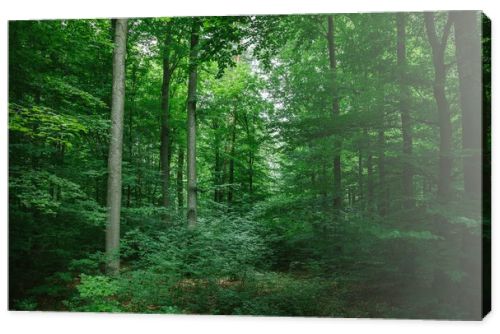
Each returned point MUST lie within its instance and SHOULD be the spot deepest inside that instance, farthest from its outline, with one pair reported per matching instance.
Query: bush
(95, 294)
(219, 247)
(177, 269)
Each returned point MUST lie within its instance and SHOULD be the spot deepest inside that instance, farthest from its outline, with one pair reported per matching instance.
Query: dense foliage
(334, 176)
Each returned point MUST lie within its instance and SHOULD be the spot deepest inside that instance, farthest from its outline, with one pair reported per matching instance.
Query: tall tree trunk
(468, 53)
(131, 127)
(192, 188)
(165, 127)
(180, 169)
(115, 150)
(250, 159)
(337, 172)
(324, 187)
(217, 173)
(360, 175)
(406, 127)
(250, 175)
(445, 139)
(223, 172)
(369, 172)
(230, 193)
(383, 200)
(369, 183)
(217, 161)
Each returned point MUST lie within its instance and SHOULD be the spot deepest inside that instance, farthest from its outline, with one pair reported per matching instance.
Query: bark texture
(115, 149)
(191, 131)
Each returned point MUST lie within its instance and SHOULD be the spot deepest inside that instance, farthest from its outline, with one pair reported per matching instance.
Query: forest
(329, 165)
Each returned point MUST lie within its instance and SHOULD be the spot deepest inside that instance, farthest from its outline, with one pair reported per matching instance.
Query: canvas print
(327, 165)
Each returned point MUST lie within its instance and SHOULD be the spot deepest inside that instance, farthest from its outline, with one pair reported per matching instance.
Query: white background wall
(51, 322)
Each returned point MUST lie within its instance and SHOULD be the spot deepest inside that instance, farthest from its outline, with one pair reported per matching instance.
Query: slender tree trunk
(383, 193)
(129, 196)
(138, 186)
(360, 174)
(468, 53)
(337, 172)
(115, 150)
(406, 127)
(323, 187)
(445, 139)
(369, 183)
(192, 188)
(165, 127)
(180, 169)
(217, 174)
(250, 175)
(230, 193)
(217, 161)
(369, 171)
(131, 127)
(222, 192)
(250, 140)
